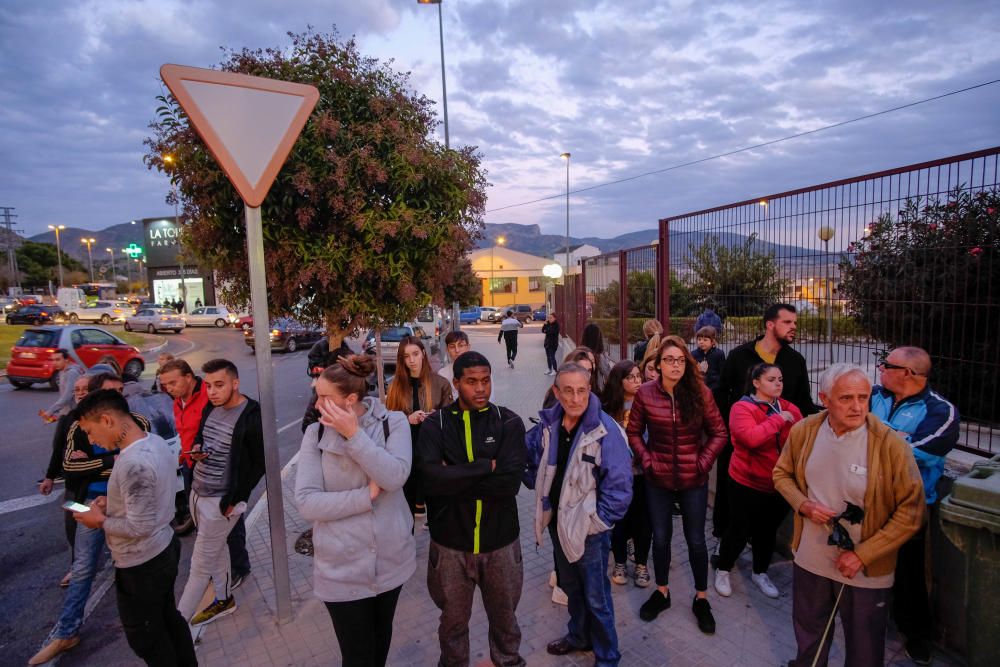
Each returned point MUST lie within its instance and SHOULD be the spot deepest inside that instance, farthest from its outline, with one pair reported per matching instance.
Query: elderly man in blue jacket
(582, 472)
(905, 402)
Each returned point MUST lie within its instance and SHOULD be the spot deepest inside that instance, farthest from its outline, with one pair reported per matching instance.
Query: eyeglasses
(895, 367)
(635, 377)
(673, 361)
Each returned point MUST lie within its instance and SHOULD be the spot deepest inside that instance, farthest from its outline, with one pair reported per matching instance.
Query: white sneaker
(764, 584)
(559, 596)
(722, 585)
(552, 579)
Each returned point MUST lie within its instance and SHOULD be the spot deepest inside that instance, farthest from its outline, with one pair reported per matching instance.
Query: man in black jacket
(228, 453)
(774, 347)
(470, 456)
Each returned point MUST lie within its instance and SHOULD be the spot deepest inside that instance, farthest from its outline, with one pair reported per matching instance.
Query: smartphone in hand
(71, 506)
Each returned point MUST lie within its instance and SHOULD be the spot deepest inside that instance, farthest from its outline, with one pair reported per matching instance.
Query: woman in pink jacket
(758, 426)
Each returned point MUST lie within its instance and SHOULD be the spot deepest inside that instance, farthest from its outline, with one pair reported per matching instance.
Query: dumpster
(970, 517)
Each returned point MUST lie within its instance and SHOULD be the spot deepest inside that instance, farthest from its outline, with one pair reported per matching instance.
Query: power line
(749, 148)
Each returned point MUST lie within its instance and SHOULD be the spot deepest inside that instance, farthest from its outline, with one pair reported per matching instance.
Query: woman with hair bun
(351, 469)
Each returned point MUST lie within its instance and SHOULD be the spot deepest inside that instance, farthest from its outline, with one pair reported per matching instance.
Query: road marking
(34, 500)
(258, 507)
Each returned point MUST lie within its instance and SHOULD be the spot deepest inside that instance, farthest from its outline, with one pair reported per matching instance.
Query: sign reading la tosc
(161, 241)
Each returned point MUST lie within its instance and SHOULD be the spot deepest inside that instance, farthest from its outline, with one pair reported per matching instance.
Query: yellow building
(515, 277)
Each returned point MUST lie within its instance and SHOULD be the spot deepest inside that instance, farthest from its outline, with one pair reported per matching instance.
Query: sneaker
(722, 585)
(214, 611)
(552, 579)
(764, 584)
(641, 576)
(559, 596)
(630, 550)
(619, 575)
(652, 607)
(548, 372)
(511, 364)
(237, 580)
(918, 650)
(52, 649)
(703, 612)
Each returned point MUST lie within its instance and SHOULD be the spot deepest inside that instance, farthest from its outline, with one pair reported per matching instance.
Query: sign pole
(265, 388)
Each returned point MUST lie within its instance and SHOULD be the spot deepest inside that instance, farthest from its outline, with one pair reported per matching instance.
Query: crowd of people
(615, 453)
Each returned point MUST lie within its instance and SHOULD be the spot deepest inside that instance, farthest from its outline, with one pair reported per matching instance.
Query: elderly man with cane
(857, 497)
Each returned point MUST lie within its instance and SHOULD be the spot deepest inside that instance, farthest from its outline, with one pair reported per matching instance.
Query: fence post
(623, 301)
(663, 276)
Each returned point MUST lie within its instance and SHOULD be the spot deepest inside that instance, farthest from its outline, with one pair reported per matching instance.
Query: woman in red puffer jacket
(758, 424)
(685, 435)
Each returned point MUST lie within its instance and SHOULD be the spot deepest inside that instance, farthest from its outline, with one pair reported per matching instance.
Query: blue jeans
(88, 546)
(591, 609)
(694, 507)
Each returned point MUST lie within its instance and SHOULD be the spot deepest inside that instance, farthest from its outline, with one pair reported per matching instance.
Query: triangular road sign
(249, 123)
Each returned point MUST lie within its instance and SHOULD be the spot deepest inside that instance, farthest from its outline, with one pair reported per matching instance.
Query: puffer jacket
(362, 547)
(679, 451)
(758, 434)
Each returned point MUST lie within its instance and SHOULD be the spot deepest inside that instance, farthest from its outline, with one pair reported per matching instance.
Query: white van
(71, 300)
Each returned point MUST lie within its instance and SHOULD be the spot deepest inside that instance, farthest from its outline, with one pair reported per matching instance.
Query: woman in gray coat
(349, 483)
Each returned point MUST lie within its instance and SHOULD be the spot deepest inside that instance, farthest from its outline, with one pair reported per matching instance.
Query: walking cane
(840, 538)
(829, 624)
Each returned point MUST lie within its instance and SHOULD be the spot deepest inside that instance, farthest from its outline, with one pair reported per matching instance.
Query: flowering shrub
(930, 276)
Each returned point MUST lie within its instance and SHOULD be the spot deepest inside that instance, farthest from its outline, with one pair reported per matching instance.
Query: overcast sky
(626, 86)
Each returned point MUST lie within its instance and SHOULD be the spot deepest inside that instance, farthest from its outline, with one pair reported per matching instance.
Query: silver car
(155, 319)
(104, 312)
(210, 316)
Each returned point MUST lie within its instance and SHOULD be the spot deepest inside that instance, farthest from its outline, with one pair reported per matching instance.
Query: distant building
(577, 253)
(510, 277)
(166, 266)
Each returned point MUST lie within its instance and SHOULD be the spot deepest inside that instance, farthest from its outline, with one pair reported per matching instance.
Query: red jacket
(757, 441)
(188, 419)
(678, 454)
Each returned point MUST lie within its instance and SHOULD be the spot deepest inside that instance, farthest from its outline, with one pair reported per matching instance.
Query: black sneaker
(918, 650)
(703, 612)
(652, 607)
(237, 580)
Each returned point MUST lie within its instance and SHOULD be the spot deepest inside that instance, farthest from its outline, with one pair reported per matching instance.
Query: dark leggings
(752, 514)
(364, 628)
(550, 358)
(694, 507)
(635, 525)
(511, 344)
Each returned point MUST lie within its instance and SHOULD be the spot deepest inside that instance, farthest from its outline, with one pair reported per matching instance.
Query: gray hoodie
(362, 548)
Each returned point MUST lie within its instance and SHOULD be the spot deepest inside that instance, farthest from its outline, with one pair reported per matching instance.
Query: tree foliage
(39, 263)
(741, 280)
(928, 277)
(464, 287)
(367, 220)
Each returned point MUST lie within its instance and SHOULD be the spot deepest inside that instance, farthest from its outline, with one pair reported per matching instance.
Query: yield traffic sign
(248, 123)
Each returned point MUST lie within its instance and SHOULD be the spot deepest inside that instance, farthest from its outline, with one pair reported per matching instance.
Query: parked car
(489, 313)
(522, 312)
(154, 320)
(104, 312)
(540, 314)
(433, 318)
(7, 304)
(287, 334)
(471, 315)
(390, 342)
(36, 314)
(29, 300)
(32, 360)
(210, 316)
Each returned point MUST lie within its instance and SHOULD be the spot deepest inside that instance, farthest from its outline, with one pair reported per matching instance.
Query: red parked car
(31, 357)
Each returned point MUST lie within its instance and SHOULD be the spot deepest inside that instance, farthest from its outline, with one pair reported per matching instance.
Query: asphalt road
(35, 554)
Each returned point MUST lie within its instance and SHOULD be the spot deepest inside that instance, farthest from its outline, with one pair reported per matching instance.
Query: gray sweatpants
(452, 577)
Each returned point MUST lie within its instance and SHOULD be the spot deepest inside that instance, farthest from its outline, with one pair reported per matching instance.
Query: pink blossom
(976, 252)
(932, 227)
(991, 210)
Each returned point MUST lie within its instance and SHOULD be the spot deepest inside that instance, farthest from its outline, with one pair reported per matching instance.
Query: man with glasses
(839, 458)
(905, 402)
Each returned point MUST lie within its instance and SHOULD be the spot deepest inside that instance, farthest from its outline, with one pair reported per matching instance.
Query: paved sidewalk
(752, 629)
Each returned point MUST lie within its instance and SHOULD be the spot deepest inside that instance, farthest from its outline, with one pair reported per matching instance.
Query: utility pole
(11, 241)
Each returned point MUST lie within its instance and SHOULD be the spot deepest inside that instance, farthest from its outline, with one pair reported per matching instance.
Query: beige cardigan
(894, 499)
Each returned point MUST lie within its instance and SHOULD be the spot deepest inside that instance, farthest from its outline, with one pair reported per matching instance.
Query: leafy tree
(928, 277)
(464, 287)
(642, 297)
(369, 218)
(740, 279)
(39, 263)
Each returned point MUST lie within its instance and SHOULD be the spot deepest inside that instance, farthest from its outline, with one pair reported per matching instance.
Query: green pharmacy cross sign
(132, 250)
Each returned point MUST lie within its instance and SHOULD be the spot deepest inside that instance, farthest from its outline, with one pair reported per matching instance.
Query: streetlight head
(564, 156)
(825, 233)
(428, 2)
(501, 240)
(168, 158)
(763, 202)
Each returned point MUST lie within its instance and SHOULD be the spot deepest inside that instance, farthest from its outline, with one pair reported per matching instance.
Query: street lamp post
(114, 273)
(57, 228)
(566, 156)
(90, 256)
(444, 86)
(825, 234)
(500, 241)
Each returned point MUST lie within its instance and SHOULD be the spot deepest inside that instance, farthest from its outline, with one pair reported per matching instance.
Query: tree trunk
(379, 371)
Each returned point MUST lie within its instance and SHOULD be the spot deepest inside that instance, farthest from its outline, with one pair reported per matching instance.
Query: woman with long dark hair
(759, 424)
(551, 344)
(593, 339)
(416, 391)
(352, 466)
(619, 392)
(685, 435)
